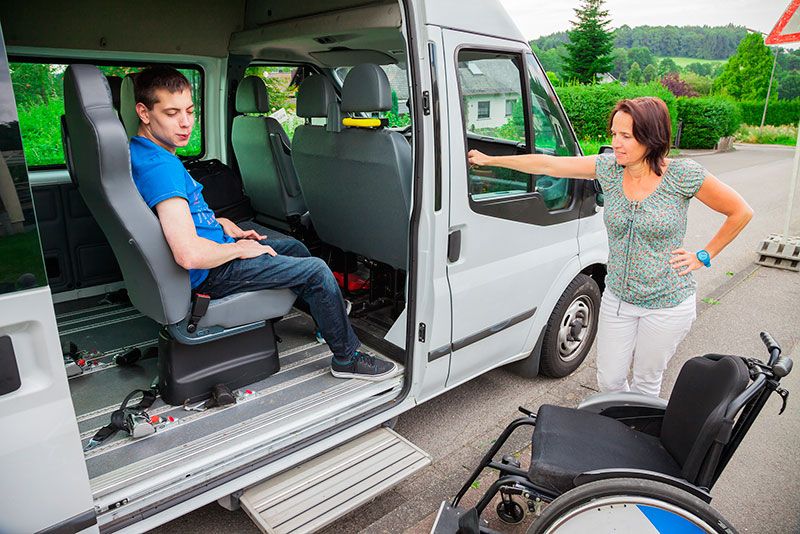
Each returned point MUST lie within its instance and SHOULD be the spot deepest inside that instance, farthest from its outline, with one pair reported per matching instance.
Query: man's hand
(232, 229)
(252, 249)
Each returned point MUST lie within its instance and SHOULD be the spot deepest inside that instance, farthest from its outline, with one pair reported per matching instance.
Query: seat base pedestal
(186, 373)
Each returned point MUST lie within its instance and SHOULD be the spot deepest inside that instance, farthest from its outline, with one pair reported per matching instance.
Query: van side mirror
(598, 191)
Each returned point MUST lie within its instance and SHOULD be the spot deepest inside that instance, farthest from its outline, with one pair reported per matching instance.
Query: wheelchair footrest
(310, 496)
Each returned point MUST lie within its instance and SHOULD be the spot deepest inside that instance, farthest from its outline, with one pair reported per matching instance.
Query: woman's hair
(652, 127)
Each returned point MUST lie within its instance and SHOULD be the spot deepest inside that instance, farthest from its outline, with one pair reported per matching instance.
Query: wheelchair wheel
(629, 505)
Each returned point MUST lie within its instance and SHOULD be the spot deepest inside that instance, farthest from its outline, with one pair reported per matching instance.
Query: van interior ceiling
(112, 348)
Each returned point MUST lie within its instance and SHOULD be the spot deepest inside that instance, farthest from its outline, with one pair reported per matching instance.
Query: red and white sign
(787, 30)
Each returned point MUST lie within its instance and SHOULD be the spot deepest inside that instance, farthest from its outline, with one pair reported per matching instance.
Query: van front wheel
(571, 329)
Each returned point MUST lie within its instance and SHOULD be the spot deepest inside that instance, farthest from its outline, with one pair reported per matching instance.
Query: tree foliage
(650, 73)
(746, 74)
(635, 76)
(702, 42)
(591, 42)
(677, 86)
(641, 55)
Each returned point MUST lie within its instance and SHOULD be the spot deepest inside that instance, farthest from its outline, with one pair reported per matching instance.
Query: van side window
(282, 84)
(492, 107)
(39, 92)
(552, 135)
(22, 266)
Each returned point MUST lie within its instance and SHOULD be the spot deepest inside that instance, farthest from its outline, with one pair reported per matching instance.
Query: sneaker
(365, 367)
(318, 333)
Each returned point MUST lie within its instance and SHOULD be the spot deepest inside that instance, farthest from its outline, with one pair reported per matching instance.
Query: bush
(707, 119)
(589, 106)
(779, 112)
(771, 135)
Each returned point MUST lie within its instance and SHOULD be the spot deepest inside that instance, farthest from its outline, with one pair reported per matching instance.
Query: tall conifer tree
(591, 43)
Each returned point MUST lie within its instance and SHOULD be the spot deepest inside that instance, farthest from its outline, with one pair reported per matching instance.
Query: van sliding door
(44, 482)
(514, 232)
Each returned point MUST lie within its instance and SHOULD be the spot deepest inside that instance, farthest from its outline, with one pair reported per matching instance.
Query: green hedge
(589, 106)
(707, 119)
(779, 113)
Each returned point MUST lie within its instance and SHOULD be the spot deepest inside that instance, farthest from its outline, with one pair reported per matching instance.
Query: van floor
(302, 387)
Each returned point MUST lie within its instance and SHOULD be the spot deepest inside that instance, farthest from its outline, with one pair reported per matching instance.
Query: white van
(452, 271)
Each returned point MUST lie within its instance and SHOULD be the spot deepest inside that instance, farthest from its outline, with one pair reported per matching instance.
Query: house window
(483, 109)
(510, 106)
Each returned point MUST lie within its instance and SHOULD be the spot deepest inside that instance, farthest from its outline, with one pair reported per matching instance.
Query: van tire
(567, 336)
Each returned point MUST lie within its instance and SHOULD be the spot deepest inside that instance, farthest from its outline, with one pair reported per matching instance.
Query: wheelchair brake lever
(526, 411)
(784, 393)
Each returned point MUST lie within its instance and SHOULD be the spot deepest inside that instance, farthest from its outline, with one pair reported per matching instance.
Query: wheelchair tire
(576, 313)
(629, 505)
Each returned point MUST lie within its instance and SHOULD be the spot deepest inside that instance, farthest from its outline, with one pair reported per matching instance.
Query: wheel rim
(573, 332)
(621, 512)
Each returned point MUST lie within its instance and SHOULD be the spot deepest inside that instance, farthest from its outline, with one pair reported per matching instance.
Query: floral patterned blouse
(642, 233)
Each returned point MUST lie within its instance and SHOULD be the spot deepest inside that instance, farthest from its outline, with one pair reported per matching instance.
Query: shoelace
(366, 358)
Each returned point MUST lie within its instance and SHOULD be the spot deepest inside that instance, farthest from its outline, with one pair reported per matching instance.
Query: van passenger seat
(264, 155)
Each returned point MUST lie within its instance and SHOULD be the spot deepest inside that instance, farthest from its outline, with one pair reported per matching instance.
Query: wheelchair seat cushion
(568, 442)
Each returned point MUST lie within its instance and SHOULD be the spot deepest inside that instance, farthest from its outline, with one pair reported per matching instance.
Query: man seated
(221, 257)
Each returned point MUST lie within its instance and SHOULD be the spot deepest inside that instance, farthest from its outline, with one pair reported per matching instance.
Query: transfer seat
(263, 151)
(356, 180)
(233, 342)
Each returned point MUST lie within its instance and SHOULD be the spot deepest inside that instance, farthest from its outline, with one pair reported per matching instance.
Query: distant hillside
(703, 42)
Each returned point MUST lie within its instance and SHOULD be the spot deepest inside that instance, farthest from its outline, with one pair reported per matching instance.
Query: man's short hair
(151, 79)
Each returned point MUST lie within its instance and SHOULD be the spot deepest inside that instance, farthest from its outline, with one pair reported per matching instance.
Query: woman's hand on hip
(684, 261)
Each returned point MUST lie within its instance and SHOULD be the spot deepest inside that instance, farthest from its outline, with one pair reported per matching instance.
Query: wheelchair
(627, 462)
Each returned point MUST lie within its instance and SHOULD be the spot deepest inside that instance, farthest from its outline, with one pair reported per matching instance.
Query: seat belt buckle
(139, 424)
(200, 302)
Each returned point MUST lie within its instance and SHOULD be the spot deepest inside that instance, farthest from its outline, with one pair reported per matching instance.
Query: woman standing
(649, 302)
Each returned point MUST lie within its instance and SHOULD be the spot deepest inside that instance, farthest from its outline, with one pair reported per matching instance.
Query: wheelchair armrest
(605, 474)
(618, 399)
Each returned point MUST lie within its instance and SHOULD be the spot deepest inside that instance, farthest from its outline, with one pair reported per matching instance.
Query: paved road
(759, 492)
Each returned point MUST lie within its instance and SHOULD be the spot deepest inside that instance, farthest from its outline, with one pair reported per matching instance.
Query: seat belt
(200, 303)
(131, 419)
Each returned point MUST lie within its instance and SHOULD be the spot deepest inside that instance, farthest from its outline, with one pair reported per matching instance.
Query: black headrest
(251, 96)
(315, 96)
(366, 88)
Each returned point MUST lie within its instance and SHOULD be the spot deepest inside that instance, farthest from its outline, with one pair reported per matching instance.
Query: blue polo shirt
(159, 175)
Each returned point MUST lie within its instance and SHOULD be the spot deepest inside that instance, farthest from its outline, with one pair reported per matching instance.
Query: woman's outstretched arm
(556, 166)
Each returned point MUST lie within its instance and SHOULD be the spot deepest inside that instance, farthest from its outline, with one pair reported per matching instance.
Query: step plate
(316, 493)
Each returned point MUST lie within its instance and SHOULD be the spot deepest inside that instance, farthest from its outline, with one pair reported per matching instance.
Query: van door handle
(454, 246)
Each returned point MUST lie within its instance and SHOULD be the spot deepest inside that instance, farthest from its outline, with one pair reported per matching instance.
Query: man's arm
(194, 252)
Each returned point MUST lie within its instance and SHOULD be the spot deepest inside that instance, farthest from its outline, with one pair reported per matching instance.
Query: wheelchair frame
(512, 480)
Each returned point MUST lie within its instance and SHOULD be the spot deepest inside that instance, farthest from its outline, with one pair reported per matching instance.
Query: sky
(536, 18)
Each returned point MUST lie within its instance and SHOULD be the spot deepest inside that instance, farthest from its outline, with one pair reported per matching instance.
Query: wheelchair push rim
(629, 513)
(629, 505)
(573, 332)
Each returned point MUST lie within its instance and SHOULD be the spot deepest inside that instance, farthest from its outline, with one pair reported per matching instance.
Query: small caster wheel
(510, 512)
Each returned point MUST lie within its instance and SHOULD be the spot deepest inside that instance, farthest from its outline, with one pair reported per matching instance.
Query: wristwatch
(704, 257)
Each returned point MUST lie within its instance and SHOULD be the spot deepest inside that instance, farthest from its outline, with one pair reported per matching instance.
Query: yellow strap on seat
(354, 122)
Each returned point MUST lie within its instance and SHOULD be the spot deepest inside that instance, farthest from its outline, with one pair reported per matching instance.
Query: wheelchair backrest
(695, 420)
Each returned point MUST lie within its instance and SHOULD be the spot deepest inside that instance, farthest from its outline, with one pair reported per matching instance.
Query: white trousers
(649, 338)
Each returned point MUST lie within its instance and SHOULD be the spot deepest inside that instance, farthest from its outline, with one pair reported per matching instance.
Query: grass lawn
(683, 61)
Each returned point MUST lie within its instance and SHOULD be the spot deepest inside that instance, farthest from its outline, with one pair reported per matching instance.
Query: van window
(282, 90)
(491, 102)
(552, 135)
(39, 92)
(22, 266)
(399, 116)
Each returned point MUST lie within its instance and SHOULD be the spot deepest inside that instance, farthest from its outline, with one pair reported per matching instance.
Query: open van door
(44, 482)
(511, 234)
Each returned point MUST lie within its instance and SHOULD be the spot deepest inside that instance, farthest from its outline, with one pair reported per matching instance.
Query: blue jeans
(308, 277)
